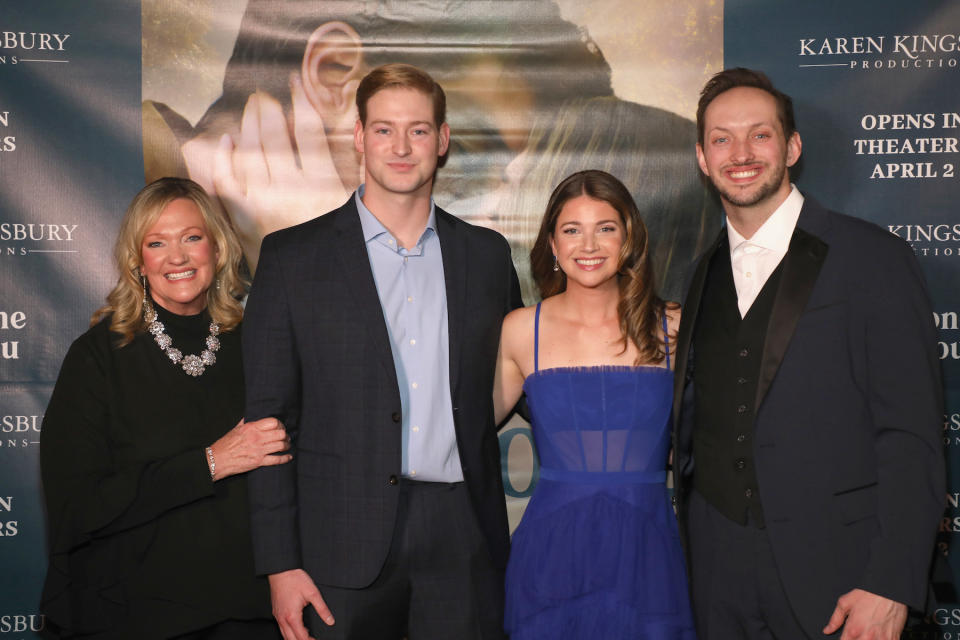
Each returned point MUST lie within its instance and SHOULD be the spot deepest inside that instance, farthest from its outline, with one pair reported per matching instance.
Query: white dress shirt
(413, 296)
(755, 259)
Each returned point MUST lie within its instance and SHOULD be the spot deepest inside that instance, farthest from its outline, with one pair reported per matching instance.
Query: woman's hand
(250, 445)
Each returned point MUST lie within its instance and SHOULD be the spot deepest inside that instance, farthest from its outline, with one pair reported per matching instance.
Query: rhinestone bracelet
(211, 463)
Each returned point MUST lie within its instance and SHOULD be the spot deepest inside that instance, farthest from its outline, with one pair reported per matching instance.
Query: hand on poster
(264, 182)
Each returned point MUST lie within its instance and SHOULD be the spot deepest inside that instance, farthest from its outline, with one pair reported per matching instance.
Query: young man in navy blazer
(371, 332)
(808, 456)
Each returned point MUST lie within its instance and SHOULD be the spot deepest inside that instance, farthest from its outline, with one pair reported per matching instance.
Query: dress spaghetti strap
(536, 340)
(666, 341)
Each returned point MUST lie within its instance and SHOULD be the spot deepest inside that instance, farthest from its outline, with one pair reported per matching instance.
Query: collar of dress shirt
(774, 234)
(373, 228)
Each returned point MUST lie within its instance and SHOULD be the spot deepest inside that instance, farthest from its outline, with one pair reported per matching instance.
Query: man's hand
(867, 616)
(290, 592)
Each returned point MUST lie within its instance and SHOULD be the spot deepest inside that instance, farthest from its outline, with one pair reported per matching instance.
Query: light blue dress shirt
(413, 297)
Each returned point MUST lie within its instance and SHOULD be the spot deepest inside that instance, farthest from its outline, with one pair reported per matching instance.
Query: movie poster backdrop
(96, 97)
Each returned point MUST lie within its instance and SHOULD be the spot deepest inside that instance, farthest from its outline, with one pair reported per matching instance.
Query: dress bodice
(609, 420)
(605, 419)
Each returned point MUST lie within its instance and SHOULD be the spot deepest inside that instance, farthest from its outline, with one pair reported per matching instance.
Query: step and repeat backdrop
(97, 97)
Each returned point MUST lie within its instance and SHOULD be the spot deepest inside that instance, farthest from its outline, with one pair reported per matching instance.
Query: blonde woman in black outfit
(143, 450)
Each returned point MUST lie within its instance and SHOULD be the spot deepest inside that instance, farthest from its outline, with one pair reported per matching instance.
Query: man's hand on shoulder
(290, 592)
(867, 616)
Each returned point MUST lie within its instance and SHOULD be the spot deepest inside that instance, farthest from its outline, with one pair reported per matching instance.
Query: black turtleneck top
(143, 544)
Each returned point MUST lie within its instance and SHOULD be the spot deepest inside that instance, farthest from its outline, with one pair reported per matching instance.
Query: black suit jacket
(317, 356)
(847, 442)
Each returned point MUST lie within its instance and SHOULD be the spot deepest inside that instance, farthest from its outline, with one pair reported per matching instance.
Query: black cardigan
(142, 542)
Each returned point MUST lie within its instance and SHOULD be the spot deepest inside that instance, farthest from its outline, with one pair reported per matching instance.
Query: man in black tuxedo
(808, 460)
(371, 332)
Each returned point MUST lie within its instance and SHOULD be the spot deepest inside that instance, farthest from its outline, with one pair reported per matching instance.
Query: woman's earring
(556, 265)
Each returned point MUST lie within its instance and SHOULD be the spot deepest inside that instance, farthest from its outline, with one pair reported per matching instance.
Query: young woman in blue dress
(597, 554)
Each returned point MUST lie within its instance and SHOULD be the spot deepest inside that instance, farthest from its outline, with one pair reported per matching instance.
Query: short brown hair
(741, 77)
(401, 76)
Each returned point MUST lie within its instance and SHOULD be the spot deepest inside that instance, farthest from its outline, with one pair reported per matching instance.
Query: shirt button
(740, 464)
(409, 298)
(742, 408)
(395, 416)
(389, 240)
(748, 493)
(748, 274)
(414, 385)
(413, 472)
(412, 342)
(415, 429)
(744, 353)
(393, 480)
(741, 438)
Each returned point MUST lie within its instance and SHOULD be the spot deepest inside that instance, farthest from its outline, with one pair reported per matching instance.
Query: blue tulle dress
(597, 554)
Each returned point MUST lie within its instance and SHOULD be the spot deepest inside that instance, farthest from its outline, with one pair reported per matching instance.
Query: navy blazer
(317, 356)
(848, 443)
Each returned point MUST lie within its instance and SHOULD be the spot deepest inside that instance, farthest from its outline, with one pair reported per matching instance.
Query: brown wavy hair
(125, 301)
(640, 310)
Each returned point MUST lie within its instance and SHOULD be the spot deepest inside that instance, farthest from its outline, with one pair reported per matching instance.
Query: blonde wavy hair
(640, 310)
(125, 302)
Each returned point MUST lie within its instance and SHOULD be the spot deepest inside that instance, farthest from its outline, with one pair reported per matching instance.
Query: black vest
(727, 353)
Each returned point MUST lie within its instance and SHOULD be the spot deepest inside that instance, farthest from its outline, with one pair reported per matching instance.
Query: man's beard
(764, 191)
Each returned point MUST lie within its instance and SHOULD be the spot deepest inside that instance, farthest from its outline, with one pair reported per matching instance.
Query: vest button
(748, 493)
(395, 416)
(741, 380)
(742, 408)
(741, 438)
(393, 480)
(744, 353)
(740, 464)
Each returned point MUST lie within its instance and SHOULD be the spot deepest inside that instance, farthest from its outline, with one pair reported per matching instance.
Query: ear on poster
(332, 68)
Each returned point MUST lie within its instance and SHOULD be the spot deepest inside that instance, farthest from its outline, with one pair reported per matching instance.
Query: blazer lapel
(801, 267)
(358, 279)
(688, 320)
(453, 246)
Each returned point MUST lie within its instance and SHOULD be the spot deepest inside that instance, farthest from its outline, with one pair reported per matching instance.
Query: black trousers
(237, 630)
(438, 582)
(735, 584)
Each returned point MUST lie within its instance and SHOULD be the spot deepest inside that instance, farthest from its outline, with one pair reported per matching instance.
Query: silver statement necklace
(193, 365)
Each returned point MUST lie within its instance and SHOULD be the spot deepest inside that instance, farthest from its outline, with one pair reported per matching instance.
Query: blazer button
(395, 416)
(393, 480)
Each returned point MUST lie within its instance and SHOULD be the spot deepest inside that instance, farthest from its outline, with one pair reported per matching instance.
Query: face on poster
(255, 100)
